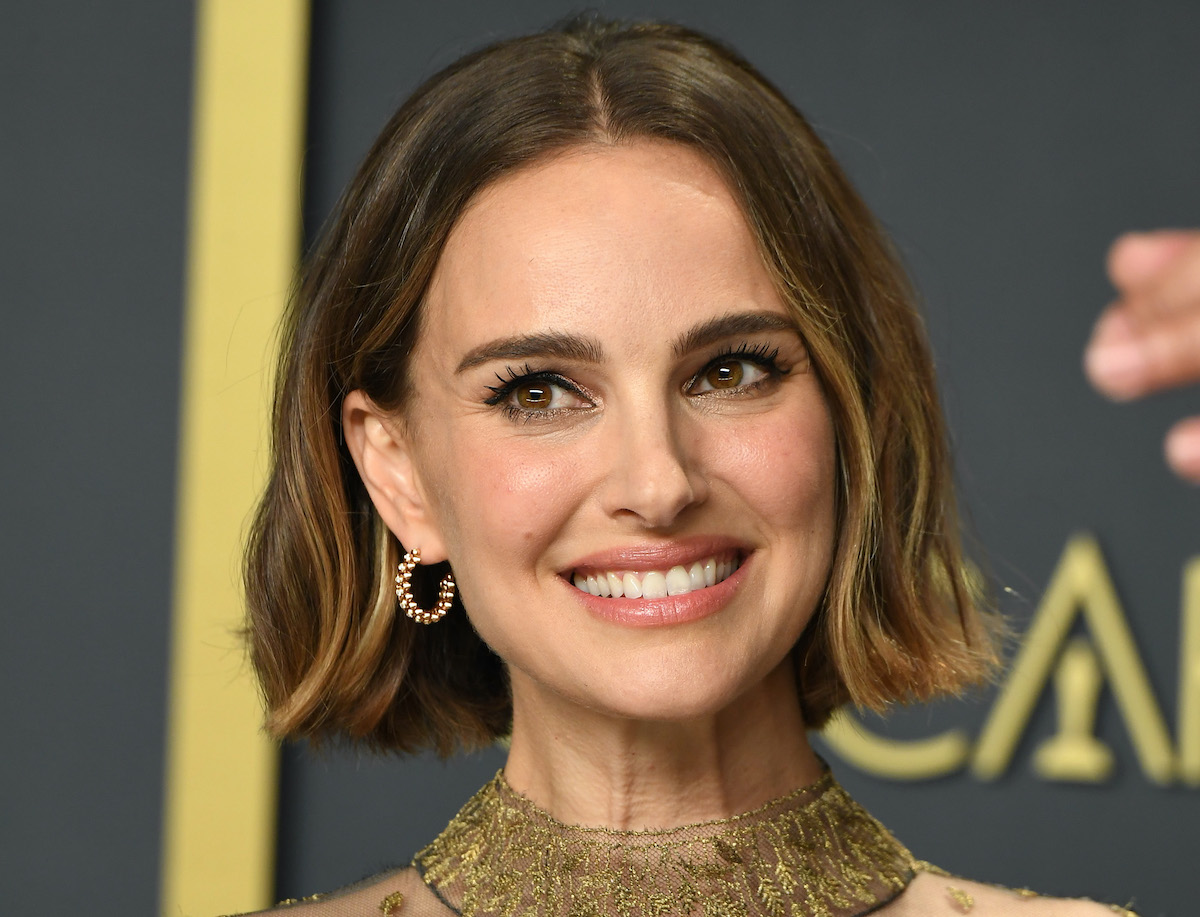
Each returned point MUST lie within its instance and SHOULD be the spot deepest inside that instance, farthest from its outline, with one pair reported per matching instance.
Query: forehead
(643, 231)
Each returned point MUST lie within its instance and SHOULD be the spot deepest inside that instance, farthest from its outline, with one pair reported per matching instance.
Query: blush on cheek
(525, 499)
(783, 471)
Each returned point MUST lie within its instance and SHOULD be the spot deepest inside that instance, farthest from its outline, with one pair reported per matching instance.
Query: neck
(586, 767)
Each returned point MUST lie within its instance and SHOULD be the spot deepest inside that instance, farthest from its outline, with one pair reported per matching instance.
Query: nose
(654, 473)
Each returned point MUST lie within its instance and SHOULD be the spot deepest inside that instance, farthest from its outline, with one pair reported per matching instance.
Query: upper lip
(660, 555)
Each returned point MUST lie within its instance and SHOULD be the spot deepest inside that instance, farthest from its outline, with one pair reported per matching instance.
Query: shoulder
(396, 893)
(934, 892)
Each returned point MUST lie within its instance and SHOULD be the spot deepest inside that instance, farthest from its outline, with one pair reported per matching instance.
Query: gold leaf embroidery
(963, 899)
(391, 904)
(814, 852)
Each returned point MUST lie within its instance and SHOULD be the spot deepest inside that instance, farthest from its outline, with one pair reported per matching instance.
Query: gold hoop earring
(404, 591)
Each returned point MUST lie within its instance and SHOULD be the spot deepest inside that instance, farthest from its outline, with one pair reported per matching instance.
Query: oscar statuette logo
(1077, 668)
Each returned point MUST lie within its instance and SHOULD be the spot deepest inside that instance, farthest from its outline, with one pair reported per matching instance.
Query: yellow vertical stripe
(243, 240)
(1189, 677)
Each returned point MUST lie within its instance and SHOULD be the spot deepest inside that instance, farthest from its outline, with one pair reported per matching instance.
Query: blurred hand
(1149, 339)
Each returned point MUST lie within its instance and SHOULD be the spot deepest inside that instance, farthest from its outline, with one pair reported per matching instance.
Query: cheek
(784, 472)
(504, 503)
(502, 499)
(528, 497)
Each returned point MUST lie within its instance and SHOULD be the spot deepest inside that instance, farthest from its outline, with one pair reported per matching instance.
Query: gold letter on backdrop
(1080, 585)
(1189, 677)
(243, 240)
(912, 759)
(1074, 752)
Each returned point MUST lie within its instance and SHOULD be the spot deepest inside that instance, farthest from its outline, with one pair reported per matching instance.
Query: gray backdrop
(1003, 144)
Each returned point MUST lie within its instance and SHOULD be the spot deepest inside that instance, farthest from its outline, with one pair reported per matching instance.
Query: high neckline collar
(812, 852)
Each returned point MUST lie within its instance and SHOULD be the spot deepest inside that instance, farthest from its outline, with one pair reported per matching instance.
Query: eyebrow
(727, 326)
(542, 344)
(588, 350)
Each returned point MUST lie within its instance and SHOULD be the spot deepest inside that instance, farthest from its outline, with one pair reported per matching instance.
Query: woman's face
(609, 395)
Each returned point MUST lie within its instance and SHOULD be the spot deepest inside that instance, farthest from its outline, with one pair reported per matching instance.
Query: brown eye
(537, 394)
(726, 374)
(533, 396)
(732, 375)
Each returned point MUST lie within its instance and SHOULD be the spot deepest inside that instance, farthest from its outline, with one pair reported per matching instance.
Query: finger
(1127, 358)
(1178, 288)
(1113, 360)
(1158, 272)
(1182, 448)
(1136, 259)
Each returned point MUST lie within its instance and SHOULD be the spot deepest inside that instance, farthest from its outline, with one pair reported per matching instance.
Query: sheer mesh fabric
(812, 853)
(398, 893)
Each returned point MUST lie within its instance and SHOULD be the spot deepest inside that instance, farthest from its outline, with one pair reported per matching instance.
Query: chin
(670, 693)
(672, 674)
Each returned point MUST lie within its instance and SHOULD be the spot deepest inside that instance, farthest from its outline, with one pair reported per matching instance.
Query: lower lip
(674, 609)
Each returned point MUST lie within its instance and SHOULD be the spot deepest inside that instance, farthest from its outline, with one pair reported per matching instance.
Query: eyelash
(762, 355)
(515, 378)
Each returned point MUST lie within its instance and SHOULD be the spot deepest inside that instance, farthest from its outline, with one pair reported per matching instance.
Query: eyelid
(502, 393)
(762, 355)
(512, 377)
(766, 373)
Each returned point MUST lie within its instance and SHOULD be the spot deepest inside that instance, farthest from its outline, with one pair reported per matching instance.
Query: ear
(379, 444)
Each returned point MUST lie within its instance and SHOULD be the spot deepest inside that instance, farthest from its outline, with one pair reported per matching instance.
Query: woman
(605, 422)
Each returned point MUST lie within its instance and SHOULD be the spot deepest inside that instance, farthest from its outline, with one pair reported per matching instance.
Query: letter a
(1080, 585)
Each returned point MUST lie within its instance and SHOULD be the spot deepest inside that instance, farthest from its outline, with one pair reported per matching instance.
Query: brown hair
(897, 619)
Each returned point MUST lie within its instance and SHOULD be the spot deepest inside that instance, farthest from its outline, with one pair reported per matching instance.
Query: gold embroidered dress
(812, 853)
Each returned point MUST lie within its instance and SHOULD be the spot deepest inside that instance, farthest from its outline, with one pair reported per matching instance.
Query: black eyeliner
(516, 378)
(762, 355)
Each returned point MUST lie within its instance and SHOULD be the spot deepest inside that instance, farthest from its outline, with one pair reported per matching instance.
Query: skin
(627, 248)
(1149, 338)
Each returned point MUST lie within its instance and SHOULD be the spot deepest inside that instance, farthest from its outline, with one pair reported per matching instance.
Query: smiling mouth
(657, 584)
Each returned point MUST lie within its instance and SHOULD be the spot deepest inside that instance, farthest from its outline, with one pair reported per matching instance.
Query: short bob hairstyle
(897, 620)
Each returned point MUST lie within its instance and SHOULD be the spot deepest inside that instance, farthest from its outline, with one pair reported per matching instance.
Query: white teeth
(654, 585)
(615, 585)
(631, 586)
(678, 581)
